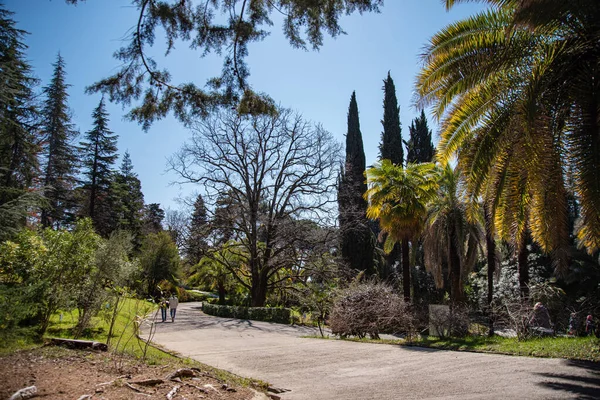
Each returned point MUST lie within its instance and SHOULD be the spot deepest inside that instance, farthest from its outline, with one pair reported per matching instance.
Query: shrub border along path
(336, 369)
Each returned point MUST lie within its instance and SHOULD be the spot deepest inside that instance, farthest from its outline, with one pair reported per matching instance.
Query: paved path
(334, 369)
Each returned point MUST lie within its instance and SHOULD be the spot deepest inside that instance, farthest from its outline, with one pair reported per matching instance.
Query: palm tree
(452, 235)
(398, 197)
(517, 90)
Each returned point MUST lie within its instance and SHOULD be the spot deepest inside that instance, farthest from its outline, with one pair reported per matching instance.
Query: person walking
(163, 304)
(173, 303)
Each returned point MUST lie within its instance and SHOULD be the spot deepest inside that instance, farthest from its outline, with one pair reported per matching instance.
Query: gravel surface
(335, 369)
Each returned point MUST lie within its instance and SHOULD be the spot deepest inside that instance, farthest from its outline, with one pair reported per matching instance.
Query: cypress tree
(18, 131)
(390, 147)
(61, 153)
(420, 147)
(99, 155)
(357, 243)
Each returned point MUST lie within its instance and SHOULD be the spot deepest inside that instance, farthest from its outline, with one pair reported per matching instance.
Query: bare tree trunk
(406, 270)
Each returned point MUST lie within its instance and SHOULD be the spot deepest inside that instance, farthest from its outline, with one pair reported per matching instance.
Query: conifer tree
(153, 217)
(99, 154)
(419, 146)
(61, 153)
(390, 147)
(127, 201)
(356, 238)
(196, 245)
(18, 131)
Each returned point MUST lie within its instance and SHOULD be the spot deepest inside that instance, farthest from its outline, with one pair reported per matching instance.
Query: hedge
(267, 314)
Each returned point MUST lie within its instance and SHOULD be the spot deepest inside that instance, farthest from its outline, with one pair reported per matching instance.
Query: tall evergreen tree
(99, 154)
(18, 131)
(61, 153)
(196, 242)
(356, 238)
(420, 147)
(127, 201)
(153, 217)
(390, 147)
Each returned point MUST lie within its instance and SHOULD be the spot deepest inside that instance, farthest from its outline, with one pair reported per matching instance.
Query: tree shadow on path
(581, 386)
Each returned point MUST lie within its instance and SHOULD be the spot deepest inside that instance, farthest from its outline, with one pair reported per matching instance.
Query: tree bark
(491, 254)
(455, 281)
(406, 270)
(523, 269)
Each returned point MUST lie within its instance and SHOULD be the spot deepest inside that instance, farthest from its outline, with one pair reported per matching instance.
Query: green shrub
(267, 314)
(191, 295)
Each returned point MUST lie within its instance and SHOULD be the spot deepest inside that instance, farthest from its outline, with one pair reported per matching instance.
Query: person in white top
(173, 303)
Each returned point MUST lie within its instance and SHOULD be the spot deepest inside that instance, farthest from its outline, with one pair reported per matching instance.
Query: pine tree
(390, 147)
(196, 245)
(357, 242)
(99, 155)
(420, 147)
(18, 131)
(61, 153)
(153, 217)
(127, 201)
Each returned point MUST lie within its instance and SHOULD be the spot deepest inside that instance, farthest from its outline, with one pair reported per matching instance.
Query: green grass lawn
(123, 339)
(573, 348)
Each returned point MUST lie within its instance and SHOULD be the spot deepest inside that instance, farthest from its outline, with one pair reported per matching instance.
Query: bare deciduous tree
(274, 171)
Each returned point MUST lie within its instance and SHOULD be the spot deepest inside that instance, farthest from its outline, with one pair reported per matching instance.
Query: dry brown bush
(370, 309)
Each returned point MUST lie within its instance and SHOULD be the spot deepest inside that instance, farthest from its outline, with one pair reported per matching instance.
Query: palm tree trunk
(491, 253)
(405, 270)
(523, 269)
(455, 284)
(491, 265)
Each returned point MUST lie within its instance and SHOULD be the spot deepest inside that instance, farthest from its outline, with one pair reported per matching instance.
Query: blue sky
(316, 84)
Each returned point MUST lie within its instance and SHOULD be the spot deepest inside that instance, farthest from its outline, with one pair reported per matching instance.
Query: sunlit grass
(573, 348)
(123, 339)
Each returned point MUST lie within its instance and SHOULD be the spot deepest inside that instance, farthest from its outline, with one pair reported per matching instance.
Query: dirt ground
(70, 374)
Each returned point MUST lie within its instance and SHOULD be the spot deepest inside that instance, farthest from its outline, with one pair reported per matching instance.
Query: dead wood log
(148, 382)
(78, 344)
(182, 373)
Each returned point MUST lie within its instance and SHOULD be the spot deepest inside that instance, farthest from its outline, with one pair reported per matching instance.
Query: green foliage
(159, 261)
(225, 28)
(127, 201)
(19, 137)
(99, 152)
(60, 152)
(317, 298)
(195, 244)
(495, 80)
(214, 271)
(357, 241)
(419, 146)
(20, 283)
(267, 314)
(193, 295)
(390, 147)
(583, 348)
